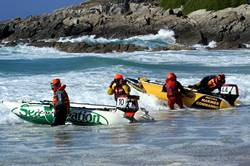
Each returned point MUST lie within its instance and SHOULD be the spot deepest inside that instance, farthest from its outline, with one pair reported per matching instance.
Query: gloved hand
(111, 84)
(164, 89)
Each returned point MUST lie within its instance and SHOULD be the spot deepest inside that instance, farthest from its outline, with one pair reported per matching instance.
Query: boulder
(175, 47)
(223, 24)
(5, 31)
(229, 44)
(85, 48)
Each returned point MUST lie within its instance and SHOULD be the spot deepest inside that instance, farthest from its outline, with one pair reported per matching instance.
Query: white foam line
(203, 57)
(211, 44)
(162, 38)
(247, 45)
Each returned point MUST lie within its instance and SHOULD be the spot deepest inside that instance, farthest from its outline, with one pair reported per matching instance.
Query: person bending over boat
(120, 88)
(210, 83)
(61, 102)
(174, 90)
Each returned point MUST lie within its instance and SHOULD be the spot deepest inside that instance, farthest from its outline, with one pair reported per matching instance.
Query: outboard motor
(128, 103)
(230, 93)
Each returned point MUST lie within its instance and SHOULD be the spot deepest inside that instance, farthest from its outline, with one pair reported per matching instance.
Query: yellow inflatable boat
(225, 99)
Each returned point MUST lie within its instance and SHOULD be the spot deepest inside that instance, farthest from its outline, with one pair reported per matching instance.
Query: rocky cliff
(123, 19)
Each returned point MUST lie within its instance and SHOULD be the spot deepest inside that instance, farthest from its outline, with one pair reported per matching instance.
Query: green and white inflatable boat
(80, 113)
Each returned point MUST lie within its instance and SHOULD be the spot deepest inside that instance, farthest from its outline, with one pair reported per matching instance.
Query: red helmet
(171, 76)
(221, 76)
(118, 76)
(55, 82)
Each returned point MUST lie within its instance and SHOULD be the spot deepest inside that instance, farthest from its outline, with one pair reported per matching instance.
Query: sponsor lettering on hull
(207, 102)
(87, 118)
(43, 115)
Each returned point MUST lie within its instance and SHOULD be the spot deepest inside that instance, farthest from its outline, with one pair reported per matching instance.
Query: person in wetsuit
(174, 90)
(120, 88)
(209, 83)
(60, 101)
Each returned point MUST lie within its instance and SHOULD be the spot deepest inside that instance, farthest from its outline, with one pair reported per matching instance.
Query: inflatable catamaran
(227, 98)
(42, 112)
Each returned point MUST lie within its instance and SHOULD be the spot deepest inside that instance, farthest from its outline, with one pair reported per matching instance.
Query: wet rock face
(83, 47)
(227, 25)
(111, 20)
(5, 31)
(127, 18)
(229, 44)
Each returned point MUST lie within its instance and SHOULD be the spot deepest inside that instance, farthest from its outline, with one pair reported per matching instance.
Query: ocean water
(176, 138)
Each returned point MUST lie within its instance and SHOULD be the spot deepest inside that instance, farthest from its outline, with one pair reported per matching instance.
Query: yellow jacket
(125, 87)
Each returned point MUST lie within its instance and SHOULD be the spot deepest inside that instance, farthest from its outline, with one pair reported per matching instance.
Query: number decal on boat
(229, 89)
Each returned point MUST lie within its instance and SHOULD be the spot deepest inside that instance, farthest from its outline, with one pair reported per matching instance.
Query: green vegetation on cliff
(172, 3)
(192, 5)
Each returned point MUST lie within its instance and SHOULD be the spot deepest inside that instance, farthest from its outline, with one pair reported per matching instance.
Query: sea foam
(162, 38)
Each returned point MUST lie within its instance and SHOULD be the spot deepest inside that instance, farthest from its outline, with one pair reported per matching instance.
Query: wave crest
(162, 38)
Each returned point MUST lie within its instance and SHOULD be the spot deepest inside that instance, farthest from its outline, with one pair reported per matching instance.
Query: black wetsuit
(203, 87)
(61, 106)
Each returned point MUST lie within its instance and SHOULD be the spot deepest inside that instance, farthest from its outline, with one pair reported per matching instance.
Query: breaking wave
(162, 38)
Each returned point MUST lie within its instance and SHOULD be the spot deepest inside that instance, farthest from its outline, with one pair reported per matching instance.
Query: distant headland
(226, 23)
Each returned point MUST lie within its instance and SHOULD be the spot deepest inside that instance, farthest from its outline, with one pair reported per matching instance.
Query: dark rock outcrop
(230, 25)
(175, 47)
(83, 47)
(5, 31)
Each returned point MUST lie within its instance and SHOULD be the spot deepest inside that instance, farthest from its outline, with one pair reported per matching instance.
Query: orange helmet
(171, 76)
(118, 76)
(55, 82)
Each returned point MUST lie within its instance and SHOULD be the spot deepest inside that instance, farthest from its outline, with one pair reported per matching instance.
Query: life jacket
(214, 83)
(61, 98)
(119, 91)
(171, 88)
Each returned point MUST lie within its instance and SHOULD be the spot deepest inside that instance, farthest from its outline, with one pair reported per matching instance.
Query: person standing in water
(60, 101)
(118, 87)
(174, 90)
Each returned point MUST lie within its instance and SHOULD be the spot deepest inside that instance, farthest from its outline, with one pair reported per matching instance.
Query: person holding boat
(60, 101)
(209, 83)
(120, 88)
(174, 90)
